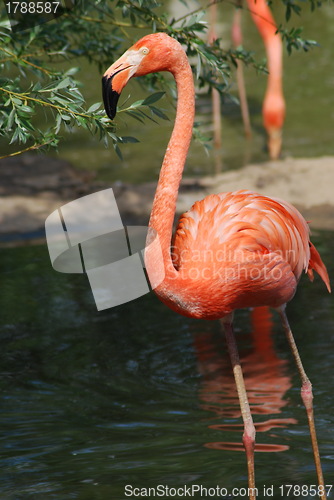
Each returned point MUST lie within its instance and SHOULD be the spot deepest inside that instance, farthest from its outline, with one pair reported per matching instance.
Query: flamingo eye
(145, 50)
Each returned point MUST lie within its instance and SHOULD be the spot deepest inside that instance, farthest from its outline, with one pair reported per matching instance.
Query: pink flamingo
(273, 109)
(230, 250)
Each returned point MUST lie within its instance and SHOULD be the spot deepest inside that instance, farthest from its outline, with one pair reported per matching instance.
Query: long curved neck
(164, 204)
(267, 28)
(274, 51)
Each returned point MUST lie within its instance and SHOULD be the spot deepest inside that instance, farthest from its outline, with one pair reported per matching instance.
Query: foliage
(35, 90)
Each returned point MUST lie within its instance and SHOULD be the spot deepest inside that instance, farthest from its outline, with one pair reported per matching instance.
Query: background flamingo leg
(307, 397)
(215, 98)
(249, 429)
(237, 42)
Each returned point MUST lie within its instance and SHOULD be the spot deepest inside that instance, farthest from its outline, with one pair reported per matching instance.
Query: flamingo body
(236, 250)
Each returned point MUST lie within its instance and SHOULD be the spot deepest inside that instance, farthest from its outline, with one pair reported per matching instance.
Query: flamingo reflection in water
(266, 378)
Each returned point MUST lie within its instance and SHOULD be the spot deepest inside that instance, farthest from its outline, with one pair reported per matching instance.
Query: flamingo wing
(246, 222)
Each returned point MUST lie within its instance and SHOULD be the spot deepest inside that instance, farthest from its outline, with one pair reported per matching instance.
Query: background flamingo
(273, 109)
(230, 250)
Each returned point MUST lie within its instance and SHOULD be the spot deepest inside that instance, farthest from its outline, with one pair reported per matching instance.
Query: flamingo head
(152, 53)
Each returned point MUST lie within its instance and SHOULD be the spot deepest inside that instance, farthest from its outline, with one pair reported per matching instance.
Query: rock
(33, 186)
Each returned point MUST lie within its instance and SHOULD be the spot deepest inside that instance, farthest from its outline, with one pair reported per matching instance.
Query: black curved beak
(110, 96)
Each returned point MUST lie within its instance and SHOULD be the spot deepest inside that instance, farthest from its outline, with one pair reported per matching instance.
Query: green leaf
(94, 107)
(15, 136)
(26, 109)
(199, 66)
(58, 124)
(159, 113)
(64, 83)
(37, 87)
(126, 139)
(10, 119)
(118, 152)
(136, 115)
(153, 98)
(136, 104)
(72, 71)
(113, 136)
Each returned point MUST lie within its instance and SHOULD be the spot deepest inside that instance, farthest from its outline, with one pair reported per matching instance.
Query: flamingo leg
(217, 130)
(237, 41)
(243, 100)
(307, 397)
(249, 429)
(215, 98)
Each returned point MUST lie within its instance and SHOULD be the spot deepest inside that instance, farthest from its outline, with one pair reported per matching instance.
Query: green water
(308, 130)
(138, 395)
